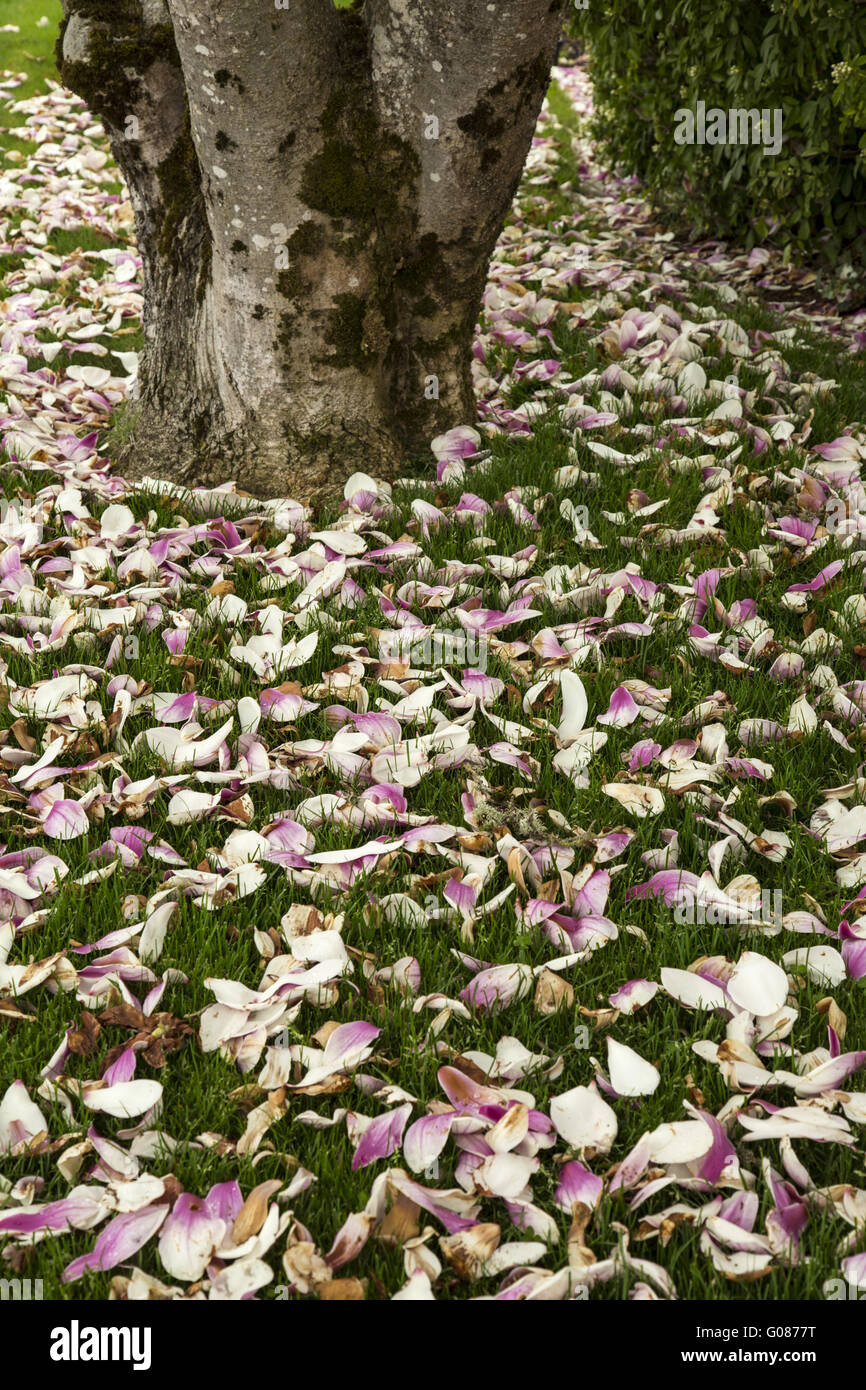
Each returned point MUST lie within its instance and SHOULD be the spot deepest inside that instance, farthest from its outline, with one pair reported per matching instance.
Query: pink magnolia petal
(623, 709)
(633, 995)
(425, 1140)
(66, 820)
(577, 1184)
(189, 1237)
(497, 987)
(382, 1137)
(122, 1238)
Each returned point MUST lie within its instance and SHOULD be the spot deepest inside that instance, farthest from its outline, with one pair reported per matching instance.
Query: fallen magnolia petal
(757, 984)
(66, 820)
(189, 805)
(240, 1279)
(456, 1209)
(21, 1120)
(802, 717)
(640, 801)
(80, 1211)
(504, 1175)
(623, 709)
(177, 750)
(798, 1122)
(347, 1046)
(120, 1239)
(350, 1239)
(584, 1119)
(417, 1289)
(573, 760)
(513, 1254)
(425, 1140)
(510, 1131)
(633, 995)
(578, 1185)
(830, 1075)
(154, 931)
(382, 1137)
(574, 708)
(684, 1141)
(188, 1238)
(693, 990)
(823, 964)
(467, 1252)
(498, 986)
(629, 1074)
(124, 1100)
(854, 1270)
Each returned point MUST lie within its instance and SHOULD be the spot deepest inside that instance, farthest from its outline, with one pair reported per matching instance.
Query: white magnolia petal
(758, 984)
(125, 1100)
(584, 1119)
(629, 1074)
(575, 707)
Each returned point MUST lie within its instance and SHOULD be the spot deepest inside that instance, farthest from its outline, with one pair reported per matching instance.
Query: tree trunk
(317, 193)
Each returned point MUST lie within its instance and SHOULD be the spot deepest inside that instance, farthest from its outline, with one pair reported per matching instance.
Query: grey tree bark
(317, 193)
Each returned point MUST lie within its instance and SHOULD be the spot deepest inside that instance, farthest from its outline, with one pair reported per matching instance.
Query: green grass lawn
(31, 50)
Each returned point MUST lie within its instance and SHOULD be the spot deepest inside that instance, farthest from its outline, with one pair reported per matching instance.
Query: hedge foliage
(651, 58)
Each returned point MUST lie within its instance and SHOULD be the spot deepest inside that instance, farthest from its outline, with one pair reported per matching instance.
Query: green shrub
(651, 58)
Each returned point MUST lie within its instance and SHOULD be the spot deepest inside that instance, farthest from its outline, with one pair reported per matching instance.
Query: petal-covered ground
(457, 893)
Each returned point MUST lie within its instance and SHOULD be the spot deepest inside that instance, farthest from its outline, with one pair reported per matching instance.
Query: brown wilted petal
(251, 1217)
(467, 1251)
